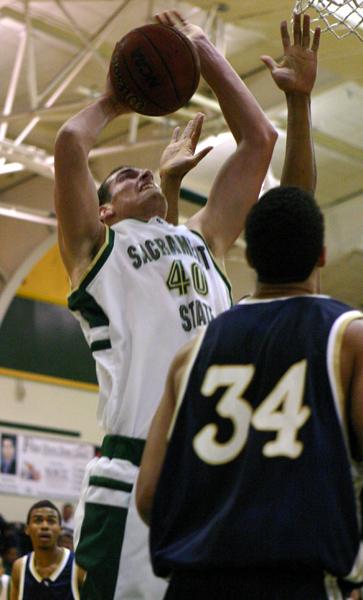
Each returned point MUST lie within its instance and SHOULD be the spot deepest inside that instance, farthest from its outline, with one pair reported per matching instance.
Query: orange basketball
(154, 69)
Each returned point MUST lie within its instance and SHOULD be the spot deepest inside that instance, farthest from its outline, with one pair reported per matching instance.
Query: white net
(340, 17)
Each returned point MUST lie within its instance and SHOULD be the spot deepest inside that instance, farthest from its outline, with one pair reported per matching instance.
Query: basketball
(154, 70)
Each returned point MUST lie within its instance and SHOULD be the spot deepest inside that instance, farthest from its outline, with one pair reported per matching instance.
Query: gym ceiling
(54, 59)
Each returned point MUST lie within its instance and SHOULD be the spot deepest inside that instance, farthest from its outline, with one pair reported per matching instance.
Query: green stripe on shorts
(112, 484)
(126, 448)
(99, 549)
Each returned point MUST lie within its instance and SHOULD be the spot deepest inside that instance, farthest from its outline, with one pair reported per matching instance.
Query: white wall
(45, 405)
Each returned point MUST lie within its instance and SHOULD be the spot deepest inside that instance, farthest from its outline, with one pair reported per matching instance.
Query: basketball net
(340, 17)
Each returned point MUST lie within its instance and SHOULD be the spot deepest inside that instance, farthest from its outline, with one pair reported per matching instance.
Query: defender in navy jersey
(258, 496)
(49, 572)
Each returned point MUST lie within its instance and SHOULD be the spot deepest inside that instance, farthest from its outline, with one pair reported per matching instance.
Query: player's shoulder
(353, 334)
(17, 567)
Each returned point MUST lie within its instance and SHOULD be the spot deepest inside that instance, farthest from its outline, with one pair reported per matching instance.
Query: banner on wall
(42, 467)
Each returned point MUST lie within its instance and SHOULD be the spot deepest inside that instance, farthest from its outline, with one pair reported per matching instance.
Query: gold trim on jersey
(93, 262)
(333, 358)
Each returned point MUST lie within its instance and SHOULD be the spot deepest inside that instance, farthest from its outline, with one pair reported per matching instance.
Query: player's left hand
(296, 73)
(111, 97)
(179, 156)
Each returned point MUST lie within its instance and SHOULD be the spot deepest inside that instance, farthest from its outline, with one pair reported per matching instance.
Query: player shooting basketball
(142, 287)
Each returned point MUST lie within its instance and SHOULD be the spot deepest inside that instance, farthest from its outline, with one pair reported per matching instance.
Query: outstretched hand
(179, 156)
(296, 73)
(173, 18)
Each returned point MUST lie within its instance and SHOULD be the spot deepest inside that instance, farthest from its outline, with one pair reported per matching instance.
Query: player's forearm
(85, 127)
(299, 167)
(243, 114)
(170, 186)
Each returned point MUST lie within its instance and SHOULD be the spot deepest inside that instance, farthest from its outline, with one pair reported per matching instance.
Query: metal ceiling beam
(50, 29)
(44, 113)
(31, 215)
(66, 76)
(31, 72)
(103, 62)
(13, 84)
(332, 144)
(33, 159)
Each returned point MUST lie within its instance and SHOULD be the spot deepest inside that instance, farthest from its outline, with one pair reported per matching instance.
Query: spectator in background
(10, 553)
(8, 454)
(49, 571)
(68, 516)
(65, 539)
(4, 582)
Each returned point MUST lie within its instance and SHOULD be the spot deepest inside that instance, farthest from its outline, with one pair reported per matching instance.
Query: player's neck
(311, 285)
(44, 557)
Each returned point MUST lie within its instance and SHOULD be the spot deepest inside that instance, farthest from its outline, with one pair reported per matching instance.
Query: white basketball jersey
(150, 288)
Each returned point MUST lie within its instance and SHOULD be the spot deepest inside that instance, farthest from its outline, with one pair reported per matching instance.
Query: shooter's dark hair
(103, 191)
(43, 504)
(284, 235)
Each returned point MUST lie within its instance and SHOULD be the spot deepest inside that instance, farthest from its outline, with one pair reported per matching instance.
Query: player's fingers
(285, 37)
(165, 18)
(160, 18)
(306, 32)
(176, 135)
(297, 29)
(194, 127)
(316, 40)
(269, 62)
(200, 155)
(179, 17)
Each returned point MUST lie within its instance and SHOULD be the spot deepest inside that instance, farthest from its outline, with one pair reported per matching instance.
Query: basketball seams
(156, 50)
(188, 46)
(193, 53)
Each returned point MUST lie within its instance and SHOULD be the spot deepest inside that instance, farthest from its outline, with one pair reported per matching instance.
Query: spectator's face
(43, 528)
(8, 449)
(66, 541)
(67, 512)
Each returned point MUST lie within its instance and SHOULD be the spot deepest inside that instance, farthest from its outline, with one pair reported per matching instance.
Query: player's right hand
(173, 18)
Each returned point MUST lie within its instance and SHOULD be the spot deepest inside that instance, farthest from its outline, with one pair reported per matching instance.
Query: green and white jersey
(150, 288)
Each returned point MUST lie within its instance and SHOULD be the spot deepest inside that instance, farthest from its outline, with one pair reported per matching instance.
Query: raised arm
(80, 230)
(295, 76)
(177, 160)
(238, 182)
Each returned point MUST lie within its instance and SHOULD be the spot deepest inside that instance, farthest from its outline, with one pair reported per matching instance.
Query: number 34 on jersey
(282, 411)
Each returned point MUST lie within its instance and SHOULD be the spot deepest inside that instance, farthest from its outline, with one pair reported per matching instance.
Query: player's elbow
(261, 144)
(68, 143)
(266, 137)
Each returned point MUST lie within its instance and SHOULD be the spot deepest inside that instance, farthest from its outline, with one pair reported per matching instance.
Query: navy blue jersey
(258, 471)
(61, 585)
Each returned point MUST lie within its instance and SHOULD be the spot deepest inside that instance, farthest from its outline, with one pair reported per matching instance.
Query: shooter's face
(134, 195)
